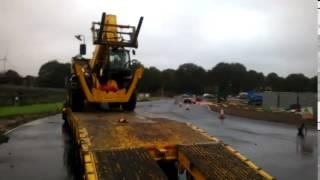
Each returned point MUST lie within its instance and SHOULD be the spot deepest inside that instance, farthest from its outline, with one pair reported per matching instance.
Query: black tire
(114, 106)
(92, 107)
(131, 104)
(76, 100)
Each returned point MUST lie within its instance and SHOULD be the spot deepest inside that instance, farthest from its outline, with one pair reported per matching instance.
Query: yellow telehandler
(109, 77)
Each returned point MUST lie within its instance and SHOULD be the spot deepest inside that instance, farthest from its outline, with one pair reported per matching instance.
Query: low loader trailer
(124, 144)
(118, 145)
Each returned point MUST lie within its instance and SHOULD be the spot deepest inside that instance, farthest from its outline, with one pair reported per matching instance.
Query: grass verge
(13, 116)
(12, 111)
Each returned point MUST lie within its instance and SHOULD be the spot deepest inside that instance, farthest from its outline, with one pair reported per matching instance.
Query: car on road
(243, 95)
(255, 99)
(188, 101)
(208, 96)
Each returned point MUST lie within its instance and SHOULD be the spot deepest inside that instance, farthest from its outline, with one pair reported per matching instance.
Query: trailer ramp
(213, 161)
(127, 164)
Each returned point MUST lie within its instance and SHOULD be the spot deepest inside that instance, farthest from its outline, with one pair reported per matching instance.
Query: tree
(230, 78)
(168, 81)
(150, 81)
(53, 74)
(190, 78)
(313, 84)
(296, 83)
(254, 80)
(275, 82)
(12, 77)
(224, 79)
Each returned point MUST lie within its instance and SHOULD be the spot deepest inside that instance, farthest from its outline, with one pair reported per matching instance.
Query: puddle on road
(71, 156)
(4, 138)
(31, 157)
(304, 146)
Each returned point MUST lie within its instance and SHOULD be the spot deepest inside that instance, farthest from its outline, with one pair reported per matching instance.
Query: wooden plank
(127, 164)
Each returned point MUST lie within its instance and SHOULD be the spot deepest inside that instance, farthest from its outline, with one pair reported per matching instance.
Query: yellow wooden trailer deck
(118, 145)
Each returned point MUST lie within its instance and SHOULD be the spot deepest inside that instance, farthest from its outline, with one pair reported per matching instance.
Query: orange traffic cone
(221, 113)
(187, 107)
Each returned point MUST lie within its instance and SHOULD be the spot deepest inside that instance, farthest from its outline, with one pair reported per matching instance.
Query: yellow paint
(162, 151)
(230, 149)
(87, 141)
(90, 177)
(99, 96)
(266, 175)
(241, 157)
(112, 34)
(82, 135)
(186, 164)
(252, 165)
(249, 163)
(89, 168)
(87, 158)
(84, 147)
(214, 138)
(100, 51)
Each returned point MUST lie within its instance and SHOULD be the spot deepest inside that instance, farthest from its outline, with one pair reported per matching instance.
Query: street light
(81, 38)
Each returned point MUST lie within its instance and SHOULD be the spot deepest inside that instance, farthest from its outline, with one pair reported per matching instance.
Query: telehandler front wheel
(131, 104)
(76, 100)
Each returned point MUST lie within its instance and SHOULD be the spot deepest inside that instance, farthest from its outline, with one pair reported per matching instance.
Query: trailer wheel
(76, 100)
(131, 104)
(170, 169)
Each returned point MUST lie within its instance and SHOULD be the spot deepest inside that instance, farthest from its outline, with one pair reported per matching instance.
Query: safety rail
(121, 36)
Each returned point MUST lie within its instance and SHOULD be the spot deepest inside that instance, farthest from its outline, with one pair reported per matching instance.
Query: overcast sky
(267, 36)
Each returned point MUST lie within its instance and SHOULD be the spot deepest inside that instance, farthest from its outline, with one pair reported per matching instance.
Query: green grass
(30, 109)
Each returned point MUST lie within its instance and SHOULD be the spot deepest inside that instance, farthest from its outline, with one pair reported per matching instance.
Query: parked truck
(126, 145)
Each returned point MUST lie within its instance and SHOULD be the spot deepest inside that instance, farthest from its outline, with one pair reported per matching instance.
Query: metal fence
(285, 99)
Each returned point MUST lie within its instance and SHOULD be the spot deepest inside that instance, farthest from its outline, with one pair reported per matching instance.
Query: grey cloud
(36, 31)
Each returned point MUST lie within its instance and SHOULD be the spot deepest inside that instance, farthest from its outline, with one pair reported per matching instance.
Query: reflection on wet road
(42, 148)
(318, 156)
(273, 146)
(36, 150)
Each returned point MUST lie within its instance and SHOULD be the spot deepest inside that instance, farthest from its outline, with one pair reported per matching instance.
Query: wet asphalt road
(41, 148)
(318, 156)
(274, 147)
(36, 150)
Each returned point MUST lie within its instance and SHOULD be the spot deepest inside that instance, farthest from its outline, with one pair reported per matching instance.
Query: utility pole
(4, 60)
